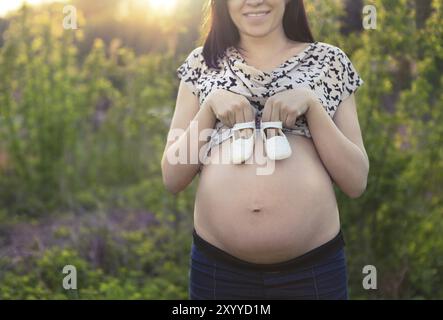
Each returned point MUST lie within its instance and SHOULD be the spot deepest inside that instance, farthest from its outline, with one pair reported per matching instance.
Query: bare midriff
(266, 212)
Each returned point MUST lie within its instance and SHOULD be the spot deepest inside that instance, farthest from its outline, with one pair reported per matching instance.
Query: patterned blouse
(321, 67)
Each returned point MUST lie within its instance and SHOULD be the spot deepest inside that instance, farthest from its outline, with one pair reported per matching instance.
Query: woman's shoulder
(336, 56)
(195, 57)
(197, 51)
(329, 48)
(342, 69)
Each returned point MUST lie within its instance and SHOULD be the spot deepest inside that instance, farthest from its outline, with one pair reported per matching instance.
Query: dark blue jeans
(318, 274)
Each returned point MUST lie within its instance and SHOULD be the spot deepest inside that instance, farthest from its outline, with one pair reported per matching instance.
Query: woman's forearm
(181, 160)
(345, 161)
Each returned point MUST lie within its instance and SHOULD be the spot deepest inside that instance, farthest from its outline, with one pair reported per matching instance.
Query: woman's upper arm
(187, 103)
(186, 107)
(345, 116)
(346, 119)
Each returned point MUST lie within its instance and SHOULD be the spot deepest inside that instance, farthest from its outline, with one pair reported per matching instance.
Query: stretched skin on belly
(267, 218)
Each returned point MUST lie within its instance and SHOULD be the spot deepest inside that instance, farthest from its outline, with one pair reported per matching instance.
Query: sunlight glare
(8, 6)
(162, 5)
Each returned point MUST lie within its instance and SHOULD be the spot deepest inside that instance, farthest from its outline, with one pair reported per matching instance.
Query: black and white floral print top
(321, 67)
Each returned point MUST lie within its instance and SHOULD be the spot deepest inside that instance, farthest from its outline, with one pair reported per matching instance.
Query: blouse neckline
(239, 61)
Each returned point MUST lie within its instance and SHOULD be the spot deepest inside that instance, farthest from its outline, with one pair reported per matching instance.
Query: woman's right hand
(230, 108)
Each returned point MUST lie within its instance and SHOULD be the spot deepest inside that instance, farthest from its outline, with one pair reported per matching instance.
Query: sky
(9, 5)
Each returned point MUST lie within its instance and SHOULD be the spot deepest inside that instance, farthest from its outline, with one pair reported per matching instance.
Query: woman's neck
(264, 48)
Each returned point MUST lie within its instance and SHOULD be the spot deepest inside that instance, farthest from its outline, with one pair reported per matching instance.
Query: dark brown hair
(223, 33)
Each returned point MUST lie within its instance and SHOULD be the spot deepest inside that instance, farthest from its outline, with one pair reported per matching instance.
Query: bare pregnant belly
(266, 213)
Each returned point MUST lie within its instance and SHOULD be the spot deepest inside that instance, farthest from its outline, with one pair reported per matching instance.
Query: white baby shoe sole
(277, 147)
(242, 148)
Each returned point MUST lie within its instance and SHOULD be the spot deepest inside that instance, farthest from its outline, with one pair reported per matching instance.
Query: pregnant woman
(266, 229)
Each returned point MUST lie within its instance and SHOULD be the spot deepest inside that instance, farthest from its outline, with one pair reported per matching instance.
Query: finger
(225, 121)
(248, 112)
(249, 115)
(275, 116)
(283, 115)
(231, 117)
(240, 117)
(266, 114)
(290, 120)
(275, 112)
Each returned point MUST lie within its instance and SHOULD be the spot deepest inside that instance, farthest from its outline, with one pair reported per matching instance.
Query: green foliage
(112, 262)
(72, 131)
(396, 225)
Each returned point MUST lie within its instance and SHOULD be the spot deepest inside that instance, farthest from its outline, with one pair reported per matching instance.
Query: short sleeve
(349, 79)
(190, 70)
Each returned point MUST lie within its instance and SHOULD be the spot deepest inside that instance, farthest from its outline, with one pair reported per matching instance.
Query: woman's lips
(257, 18)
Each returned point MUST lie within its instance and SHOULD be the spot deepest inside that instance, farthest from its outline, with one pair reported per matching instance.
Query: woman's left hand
(288, 105)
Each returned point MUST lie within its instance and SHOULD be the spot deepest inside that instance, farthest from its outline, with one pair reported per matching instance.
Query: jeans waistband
(308, 259)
